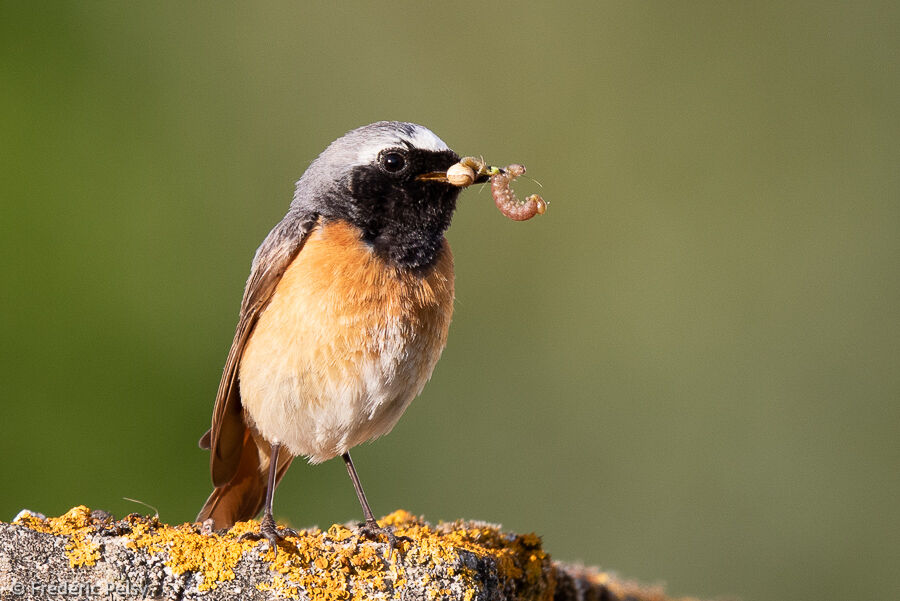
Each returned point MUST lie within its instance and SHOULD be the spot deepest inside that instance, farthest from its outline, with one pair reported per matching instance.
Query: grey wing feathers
(226, 435)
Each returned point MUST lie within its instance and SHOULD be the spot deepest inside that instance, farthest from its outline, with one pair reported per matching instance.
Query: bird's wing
(225, 437)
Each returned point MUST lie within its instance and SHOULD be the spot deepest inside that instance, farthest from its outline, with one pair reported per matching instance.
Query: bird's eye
(393, 162)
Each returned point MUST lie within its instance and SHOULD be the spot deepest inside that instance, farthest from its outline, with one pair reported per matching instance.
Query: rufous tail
(242, 497)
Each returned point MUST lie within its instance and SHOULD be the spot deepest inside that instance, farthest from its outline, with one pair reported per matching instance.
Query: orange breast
(345, 344)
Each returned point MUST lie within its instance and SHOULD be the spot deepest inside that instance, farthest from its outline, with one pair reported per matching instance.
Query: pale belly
(344, 346)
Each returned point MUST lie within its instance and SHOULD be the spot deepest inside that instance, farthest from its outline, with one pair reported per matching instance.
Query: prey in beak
(468, 171)
(471, 170)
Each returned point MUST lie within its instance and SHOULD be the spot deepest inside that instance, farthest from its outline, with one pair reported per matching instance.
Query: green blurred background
(686, 371)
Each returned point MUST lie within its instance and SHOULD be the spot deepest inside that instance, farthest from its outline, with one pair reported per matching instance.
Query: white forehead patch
(420, 137)
(425, 139)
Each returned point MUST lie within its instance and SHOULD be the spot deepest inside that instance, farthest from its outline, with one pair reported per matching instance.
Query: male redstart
(343, 318)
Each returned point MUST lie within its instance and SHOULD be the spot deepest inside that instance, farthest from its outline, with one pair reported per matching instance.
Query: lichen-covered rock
(84, 554)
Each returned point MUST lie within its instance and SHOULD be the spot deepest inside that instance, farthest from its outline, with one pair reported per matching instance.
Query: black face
(402, 217)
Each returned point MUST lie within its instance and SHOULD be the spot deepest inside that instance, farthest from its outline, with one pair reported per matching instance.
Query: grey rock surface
(88, 555)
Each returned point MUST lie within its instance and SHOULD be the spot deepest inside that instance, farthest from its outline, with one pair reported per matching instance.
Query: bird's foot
(270, 531)
(371, 530)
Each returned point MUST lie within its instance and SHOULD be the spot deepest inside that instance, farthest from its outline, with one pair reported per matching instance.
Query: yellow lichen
(520, 560)
(187, 550)
(336, 565)
(78, 525)
(82, 552)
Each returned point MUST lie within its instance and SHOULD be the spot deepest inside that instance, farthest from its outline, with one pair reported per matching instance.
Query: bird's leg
(370, 527)
(267, 527)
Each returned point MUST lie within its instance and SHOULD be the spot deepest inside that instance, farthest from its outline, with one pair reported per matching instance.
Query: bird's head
(382, 179)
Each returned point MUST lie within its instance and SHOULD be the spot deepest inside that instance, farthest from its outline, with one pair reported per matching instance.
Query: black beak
(441, 176)
(433, 176)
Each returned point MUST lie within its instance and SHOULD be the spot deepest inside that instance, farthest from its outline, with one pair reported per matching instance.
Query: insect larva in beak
(460, 175)
(507, 201)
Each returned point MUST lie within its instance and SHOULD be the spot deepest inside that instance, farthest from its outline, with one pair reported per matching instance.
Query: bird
(343, 318)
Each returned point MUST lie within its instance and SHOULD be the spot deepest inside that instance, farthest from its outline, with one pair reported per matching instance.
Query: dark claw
(270, 531)
(372, 531)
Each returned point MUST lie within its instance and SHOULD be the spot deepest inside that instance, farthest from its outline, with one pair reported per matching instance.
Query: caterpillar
(507, 201)
(470, 169)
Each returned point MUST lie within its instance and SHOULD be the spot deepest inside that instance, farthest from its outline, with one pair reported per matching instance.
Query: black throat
(403, 218)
